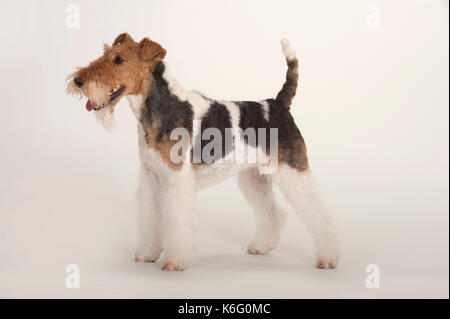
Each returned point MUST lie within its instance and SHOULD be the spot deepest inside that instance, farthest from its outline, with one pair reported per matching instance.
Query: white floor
(47, 229)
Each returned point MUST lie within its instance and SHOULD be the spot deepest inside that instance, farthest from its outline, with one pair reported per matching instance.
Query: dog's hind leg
(270, 218)
(298, 188)
(149, 224)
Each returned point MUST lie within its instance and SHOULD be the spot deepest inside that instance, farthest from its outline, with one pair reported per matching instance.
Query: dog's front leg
(149, 219)
(178, 197)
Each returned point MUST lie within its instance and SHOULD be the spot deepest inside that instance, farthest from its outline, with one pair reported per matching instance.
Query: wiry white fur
(300, 191)
(288, 52)
(106, 117)
(270, 218)
(136, 103)
(178, 198)
(149, 218)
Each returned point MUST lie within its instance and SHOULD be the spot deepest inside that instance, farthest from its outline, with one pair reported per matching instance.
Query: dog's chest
(151, 159)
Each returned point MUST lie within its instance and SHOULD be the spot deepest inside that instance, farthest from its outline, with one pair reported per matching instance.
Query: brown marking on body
(296, 157)
(163, 147)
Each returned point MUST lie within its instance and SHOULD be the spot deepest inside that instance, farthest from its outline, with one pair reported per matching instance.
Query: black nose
(78, 82)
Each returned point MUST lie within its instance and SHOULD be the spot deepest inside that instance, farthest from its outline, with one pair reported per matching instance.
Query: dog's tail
(287, 93)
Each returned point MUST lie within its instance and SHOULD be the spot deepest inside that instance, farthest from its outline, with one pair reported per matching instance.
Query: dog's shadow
(225, 264)
(245, 262)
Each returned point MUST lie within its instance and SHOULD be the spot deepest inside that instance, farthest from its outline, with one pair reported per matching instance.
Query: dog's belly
(211, 174)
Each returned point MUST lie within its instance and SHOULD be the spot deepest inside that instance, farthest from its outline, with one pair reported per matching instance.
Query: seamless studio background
(372, 105)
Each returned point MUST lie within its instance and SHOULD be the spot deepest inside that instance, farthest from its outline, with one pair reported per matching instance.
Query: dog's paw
(326, 264)
(260, 249)
(328, 256)
(174, 265)
(146, 255)
(145, 259)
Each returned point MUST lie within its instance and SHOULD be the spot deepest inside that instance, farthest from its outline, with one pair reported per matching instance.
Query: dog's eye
(118, 60)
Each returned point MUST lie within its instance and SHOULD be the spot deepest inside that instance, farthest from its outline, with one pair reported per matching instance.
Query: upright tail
(287, 93)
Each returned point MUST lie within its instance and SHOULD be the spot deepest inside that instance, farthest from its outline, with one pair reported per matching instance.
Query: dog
(175, 165)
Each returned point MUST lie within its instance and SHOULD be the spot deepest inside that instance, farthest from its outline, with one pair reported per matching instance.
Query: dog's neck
(136, 102)
(160, 82)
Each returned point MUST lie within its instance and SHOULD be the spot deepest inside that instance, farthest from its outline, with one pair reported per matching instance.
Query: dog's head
(123, 69)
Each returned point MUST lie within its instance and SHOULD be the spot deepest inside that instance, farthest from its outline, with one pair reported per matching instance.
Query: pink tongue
(89, 106)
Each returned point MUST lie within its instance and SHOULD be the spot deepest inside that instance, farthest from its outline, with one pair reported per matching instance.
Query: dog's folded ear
(151, 51)
(121, 38)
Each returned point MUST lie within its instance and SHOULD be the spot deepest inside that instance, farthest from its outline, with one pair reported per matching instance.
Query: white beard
(106, 117)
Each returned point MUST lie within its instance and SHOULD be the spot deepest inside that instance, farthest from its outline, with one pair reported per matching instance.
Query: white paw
(147, 255)
(174, 264)
(260, 248)
(328, 256)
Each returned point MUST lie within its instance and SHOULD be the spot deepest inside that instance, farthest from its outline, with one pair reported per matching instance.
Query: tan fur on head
(126, 64)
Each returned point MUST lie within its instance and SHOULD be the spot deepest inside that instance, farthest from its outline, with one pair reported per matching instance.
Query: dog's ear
(121, 38)
(106, 47)
(151, 51)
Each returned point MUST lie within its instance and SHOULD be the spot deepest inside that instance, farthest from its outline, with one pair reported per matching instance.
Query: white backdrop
(372, 106)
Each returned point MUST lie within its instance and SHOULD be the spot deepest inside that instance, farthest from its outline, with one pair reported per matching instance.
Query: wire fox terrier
(174, 167)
